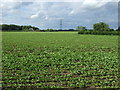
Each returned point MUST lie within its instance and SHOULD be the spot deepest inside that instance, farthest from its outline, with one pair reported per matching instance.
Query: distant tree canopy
(81, 28)
(118, 29)
(12, 27)
(50, 30)
(101, 26)
(29, 28)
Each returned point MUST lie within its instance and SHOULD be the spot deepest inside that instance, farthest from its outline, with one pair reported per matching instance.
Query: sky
(47, 14)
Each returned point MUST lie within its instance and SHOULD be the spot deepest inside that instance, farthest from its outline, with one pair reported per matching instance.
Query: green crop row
(59, 60)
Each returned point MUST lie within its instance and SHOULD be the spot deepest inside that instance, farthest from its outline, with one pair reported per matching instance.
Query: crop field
(59, 60)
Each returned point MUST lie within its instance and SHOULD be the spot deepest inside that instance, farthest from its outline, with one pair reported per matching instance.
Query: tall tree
(101, 26)
(80, 28)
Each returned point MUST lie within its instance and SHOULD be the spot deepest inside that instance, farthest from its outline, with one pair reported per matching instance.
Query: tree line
(12, 27)
(100, 28)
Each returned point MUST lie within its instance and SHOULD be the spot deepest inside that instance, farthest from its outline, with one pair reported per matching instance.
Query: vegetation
(12, 27)
(59, 60)
(98, 32)
(50, 30)
(101, 26)
(99, 29)
(81, 28)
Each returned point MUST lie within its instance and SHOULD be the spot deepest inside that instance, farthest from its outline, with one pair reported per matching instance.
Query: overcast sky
(48, 14)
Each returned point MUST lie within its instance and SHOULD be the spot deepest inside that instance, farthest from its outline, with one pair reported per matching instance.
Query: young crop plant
(59, 60)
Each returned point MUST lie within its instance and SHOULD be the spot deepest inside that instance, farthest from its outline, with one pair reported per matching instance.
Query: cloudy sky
(47, 14)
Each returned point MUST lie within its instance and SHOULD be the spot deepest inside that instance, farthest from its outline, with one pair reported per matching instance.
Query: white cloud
(72, 12)
(96, 3)
(43, 0)
(46, 17)
(34, 16)
(46, 13)
(81, 6)
(57, 0)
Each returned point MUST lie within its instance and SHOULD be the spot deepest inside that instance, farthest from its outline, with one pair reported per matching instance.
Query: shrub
(98, 32)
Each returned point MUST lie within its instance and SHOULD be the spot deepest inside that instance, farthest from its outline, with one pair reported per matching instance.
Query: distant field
(59, 60)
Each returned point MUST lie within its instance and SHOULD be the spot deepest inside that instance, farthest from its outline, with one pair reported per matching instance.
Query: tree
(12, 27)
(101, 26)
(81, 28)
(50, 30)
(111, 29)
(118, 29)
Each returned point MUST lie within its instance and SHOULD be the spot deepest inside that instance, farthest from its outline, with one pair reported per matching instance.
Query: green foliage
(50, 30)
(101, 26)
(81, 32)
(98, 32)
(59, 60)
(29, 28)
(12, 27)
(81, 28)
